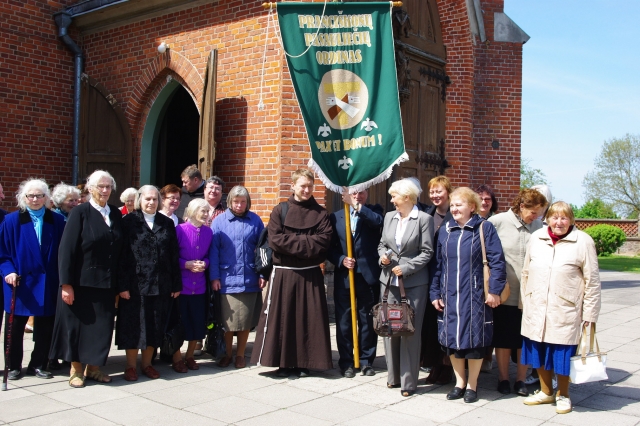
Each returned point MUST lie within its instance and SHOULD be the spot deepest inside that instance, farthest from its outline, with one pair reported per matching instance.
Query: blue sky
(581, 84)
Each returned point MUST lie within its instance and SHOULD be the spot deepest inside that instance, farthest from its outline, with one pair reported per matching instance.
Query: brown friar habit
(298, 322)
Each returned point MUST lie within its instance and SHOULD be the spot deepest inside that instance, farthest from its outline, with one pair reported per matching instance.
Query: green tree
(616, 176)
(530, 176)
(595, 209)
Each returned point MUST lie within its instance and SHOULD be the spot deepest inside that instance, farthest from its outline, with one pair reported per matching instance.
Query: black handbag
(263, 258)
(173, 333)
(393, 319)
(214, 344)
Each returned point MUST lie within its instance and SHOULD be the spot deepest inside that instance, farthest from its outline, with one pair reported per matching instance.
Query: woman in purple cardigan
(231, 270)
(194, 241)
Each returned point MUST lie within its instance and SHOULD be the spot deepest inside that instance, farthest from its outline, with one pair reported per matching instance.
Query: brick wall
(484, 103)
(257, 148)
(37, 97)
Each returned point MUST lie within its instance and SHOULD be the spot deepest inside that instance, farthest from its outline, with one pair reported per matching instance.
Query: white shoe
(530, 380)
(538, 398)
(563, 405)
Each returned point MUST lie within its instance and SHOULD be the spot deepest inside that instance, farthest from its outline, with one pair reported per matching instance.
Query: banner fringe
(361, 186)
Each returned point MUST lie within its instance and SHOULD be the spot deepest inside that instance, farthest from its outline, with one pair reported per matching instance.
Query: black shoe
(349, 373)
(470, 396)
(14, 374)
(302, 372)
(456, 393)
(520, 388)
(504, 387)
(39, 373)
(54, 365)
(283, 372)
(368, 371)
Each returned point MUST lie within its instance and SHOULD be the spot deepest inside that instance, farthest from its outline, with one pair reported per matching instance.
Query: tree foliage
(530, 176)
(594, 209)
(616, 176)
(608, 238)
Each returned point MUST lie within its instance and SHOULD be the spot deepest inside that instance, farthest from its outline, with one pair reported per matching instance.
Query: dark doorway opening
(178, 139)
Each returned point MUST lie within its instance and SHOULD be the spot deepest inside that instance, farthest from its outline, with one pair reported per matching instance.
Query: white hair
(127, 193)
(416, 181)
(405, 188)
(194, 206)
(544, 190)
(61, 191)
(29, 184)
(94, 178)
(143, 190)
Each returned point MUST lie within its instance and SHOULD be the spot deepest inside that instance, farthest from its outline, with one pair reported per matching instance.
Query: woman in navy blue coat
(465, 318)
(29, 240)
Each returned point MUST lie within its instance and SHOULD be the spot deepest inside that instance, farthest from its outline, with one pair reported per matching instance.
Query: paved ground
(215, 396)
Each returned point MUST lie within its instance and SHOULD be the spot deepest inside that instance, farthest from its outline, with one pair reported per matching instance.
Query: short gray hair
(61, 191)
(127, 193)
(239, 191)
(94, 178)
(405, 188)
(29, 184)
(143, 190)
(193, 207)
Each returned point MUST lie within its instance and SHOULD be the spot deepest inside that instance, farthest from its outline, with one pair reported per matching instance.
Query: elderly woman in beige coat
(405, 249)
(560, 292)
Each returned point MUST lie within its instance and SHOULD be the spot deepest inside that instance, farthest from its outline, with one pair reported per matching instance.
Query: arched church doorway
(170, 137)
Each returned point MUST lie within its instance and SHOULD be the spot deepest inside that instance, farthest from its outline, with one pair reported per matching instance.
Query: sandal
(390, 386)
(97, 376)
(76, 381)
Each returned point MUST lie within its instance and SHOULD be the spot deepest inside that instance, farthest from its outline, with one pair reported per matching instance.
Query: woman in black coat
(88, 258)
(149, 277)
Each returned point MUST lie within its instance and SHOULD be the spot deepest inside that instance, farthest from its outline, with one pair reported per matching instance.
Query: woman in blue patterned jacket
(465, 318)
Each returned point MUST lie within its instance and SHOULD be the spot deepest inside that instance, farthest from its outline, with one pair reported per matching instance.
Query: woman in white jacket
(560, 291)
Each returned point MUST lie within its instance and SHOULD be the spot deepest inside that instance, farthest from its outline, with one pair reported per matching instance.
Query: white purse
(588, 366)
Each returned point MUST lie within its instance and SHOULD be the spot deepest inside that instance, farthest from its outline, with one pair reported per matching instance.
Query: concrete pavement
(251, 396)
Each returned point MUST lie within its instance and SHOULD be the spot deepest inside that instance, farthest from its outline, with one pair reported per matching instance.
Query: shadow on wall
(231, 141)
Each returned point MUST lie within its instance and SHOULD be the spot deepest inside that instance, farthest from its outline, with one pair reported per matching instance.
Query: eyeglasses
(173, 198)
(33, 196)
(486, 200)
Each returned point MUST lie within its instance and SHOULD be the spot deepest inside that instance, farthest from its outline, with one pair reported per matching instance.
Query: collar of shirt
(412, 214)
(103, 210)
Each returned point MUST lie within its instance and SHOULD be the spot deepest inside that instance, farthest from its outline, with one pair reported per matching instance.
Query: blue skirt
(549, 356)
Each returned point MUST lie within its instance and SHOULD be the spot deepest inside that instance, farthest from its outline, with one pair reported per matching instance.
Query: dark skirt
(298, 323)
(142, 321)
(82, 331)
(473, 353)
(193, 315)
(507, 321)
(549, 356)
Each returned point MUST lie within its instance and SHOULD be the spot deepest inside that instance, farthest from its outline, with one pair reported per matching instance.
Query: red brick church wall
(257, 148)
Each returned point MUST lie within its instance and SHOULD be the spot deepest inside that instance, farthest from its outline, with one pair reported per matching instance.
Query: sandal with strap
(97, 376)
(76, 380)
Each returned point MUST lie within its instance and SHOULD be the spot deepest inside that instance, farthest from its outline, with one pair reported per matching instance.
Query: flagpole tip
(397, 3)
(268, 5)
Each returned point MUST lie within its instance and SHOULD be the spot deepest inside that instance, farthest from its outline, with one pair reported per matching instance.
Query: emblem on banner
(345, 163)
(343, 98)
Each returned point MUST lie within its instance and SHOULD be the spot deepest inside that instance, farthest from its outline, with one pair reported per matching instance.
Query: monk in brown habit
(293, 332)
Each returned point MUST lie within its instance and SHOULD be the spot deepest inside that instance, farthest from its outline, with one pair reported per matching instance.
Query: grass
(620, 263)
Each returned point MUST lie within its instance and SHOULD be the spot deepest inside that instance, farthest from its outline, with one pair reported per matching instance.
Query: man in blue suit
(366, 224)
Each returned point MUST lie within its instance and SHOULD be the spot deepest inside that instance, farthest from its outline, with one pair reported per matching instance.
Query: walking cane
(9, 328)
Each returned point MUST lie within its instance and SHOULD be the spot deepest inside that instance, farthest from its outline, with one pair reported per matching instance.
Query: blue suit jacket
(3, 213)
(365, 244)
(36, 264)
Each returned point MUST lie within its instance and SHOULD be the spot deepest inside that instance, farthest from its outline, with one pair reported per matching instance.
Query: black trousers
(42, 332)
(366, 297)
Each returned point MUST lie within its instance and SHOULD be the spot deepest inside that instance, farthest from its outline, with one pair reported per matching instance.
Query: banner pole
(352, 288)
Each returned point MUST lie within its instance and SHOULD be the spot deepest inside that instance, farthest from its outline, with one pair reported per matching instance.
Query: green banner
(342, 62)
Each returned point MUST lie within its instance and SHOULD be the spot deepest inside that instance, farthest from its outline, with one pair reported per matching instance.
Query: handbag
(486, 271)
(214, 344)
(589, 366)
(173, 333)
(393, 319)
